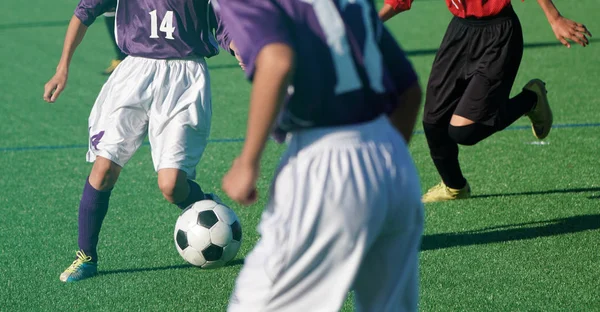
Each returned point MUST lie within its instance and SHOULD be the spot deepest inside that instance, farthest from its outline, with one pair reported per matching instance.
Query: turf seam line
(235, 140)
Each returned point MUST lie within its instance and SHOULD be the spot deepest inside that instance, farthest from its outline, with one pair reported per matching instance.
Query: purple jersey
(160, 29)
(349, 69)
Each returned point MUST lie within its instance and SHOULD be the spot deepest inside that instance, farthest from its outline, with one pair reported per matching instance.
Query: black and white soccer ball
(208, 234)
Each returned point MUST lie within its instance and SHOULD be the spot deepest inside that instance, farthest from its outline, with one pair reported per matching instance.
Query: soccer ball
(208, 234)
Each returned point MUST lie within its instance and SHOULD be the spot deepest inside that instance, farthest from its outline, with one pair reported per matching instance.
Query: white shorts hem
(91, 157)
(191, 173)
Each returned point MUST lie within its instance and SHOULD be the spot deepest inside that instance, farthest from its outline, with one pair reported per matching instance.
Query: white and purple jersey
(160, 29)
(349, 69)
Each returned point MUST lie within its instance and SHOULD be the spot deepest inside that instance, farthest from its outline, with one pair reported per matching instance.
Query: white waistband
(376, 129)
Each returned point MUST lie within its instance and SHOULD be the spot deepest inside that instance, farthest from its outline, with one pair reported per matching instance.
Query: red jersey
(460, 8)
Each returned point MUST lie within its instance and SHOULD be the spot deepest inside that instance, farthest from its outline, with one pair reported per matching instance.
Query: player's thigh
(388, 276)
(118, 121)
(180, 121)
(255, 283)
(446, 81)
(486, 95)
(499, 52)
(388, 279)
(180, 144)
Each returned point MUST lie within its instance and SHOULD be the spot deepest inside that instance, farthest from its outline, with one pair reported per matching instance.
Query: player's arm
(392, 7)
(221, 32)
(237, 55)
(564, 29)
(75, 33)
(85, 14)
(273, 69)
(404, 116)
(260, 32)
(224, 38)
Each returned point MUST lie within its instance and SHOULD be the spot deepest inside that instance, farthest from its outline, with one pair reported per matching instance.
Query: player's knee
(470, 134)
(173, 187)
(463, 135)
(105, 174)
(168, 188)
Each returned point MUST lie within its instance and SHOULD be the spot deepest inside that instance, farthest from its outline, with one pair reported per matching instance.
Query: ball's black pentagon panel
(236, 231)
(181, 239)
(212, 253)
(207, 218)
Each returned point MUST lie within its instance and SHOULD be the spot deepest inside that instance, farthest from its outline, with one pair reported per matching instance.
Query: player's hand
(565, 29)
(240, 182)
(240, 62)
(237, 56)
(55, 86)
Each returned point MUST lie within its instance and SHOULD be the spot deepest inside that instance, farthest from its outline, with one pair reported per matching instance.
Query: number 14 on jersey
(166, 25)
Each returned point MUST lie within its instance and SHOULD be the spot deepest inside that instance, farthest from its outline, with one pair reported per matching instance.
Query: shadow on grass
(512, 232)
(235, 262)
(559, 191)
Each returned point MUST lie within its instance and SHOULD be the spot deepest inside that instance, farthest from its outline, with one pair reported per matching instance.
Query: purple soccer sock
(92, 210)
(195, 195)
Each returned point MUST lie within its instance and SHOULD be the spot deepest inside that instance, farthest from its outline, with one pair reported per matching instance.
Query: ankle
(531, 97)
(457, 184)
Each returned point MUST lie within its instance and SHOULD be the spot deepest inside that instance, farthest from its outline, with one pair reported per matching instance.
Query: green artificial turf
(527, 241)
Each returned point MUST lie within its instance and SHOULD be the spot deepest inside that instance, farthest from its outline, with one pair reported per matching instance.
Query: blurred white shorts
(345, 214)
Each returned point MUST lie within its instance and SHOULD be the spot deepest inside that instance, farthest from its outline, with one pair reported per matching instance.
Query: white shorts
(345, 213)
(168, 100)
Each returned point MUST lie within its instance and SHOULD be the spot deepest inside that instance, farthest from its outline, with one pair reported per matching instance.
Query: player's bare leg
(105, 174)
(173, 184)
(177, 188)
(92, 210)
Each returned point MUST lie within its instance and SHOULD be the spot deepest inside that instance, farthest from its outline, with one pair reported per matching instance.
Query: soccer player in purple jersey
(161, 90)
(344, 210)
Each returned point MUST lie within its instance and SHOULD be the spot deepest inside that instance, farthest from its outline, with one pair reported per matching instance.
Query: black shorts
(474, 69)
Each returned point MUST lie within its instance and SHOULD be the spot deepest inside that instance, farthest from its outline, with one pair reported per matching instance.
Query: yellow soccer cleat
(541, 114)
(80, 269)
(113, 65)
(441, 192)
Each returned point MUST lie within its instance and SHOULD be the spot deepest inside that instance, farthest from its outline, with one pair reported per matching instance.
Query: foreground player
(109, 20)
(162, 90)
(345, 208)
(469, 86)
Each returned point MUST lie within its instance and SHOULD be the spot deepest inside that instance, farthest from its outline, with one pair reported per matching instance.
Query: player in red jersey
(469, 86)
